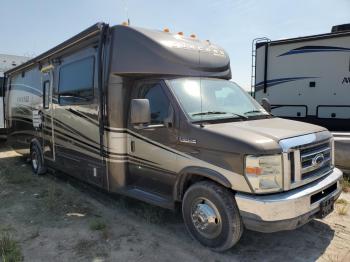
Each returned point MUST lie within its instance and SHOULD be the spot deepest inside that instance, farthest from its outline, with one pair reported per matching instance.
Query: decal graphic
(312, 49)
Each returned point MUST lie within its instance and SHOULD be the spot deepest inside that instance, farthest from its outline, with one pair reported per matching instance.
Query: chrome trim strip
(316, 152)
(286, 171)
(289, 143)
(297, 167)
(312, 168)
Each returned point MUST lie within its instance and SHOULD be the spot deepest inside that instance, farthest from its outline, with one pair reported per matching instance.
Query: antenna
(126, 10)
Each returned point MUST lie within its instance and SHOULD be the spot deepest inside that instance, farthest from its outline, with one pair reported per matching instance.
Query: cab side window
(158, 100)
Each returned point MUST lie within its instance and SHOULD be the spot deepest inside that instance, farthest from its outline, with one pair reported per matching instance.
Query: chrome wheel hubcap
(206, 218)
(35, 160)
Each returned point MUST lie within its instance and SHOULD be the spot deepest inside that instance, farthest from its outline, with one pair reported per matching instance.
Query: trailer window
(1, 87)
(158, 101)
(76, 81)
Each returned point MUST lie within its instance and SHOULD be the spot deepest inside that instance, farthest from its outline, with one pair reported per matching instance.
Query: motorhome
(6, 62)
(152, 115)
(308, 79)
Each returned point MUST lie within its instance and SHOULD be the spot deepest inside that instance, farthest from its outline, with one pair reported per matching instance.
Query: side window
(1, 86)
(46, 94)
(76, 81)
(158, 101)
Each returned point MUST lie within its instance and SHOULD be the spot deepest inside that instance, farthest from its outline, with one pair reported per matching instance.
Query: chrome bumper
(287, 210)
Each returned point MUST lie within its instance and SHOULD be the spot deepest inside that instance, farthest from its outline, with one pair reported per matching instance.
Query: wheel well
(191, 179)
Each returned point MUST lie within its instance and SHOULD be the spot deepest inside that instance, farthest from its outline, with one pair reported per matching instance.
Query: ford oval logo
(318, 160)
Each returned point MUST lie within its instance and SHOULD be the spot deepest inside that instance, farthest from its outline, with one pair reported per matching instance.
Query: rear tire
(211, 215)
(37, 159)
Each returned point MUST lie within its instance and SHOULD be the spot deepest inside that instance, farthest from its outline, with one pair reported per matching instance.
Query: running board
(150, 197)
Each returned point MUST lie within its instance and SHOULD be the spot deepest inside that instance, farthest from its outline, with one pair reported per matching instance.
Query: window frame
(89, 98)
(138, 94)
(153, 83)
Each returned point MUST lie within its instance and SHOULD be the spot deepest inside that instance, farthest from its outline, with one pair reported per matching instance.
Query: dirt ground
(56, 218)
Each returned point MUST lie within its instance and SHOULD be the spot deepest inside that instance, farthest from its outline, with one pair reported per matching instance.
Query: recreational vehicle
(308, 79)
(151, 115)
(6, 62)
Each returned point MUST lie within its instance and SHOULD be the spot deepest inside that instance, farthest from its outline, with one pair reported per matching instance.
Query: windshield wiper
(255, 111)
(217, 113)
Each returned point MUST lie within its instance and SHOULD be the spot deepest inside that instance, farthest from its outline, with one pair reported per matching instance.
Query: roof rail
(91, 31)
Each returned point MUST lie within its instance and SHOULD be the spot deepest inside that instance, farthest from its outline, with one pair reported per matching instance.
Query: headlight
(264, 173)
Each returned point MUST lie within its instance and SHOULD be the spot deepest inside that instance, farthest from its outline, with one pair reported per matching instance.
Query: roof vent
(340, 28)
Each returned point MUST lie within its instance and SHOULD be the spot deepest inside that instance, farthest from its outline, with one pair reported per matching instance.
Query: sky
(30, 27)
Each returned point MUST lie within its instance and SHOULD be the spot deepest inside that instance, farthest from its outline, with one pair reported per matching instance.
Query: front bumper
(287, 210)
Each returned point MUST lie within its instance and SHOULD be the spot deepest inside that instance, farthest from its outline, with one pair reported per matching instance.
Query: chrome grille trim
(304, 149)
(310, 153)
(327, 149)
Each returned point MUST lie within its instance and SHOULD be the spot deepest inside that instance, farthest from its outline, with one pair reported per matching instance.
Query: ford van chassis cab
(153, 115)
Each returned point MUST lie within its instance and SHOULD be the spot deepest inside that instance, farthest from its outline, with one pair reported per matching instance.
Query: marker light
(166, 30)
(253, 170)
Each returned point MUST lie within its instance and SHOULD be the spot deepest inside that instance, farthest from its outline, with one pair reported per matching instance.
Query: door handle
(132, 146)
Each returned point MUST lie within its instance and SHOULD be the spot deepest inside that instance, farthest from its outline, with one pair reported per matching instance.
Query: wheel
(211, 215)
(37, 159)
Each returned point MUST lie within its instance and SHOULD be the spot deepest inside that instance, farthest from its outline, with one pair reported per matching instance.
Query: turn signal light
(253, 170)
(166, 30)
(180, 33)
(193, 36)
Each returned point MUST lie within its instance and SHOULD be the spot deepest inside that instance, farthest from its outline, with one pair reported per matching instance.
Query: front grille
(316, 160)
(307, 158)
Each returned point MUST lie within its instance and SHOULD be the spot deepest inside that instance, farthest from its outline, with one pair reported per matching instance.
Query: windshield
(210, 99)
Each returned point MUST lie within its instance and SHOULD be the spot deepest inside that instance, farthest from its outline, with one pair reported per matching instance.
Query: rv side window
(76, 81)
(158, 101)
(1, 87)
(46, 95)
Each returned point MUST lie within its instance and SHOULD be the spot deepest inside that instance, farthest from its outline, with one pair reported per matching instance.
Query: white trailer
(6, 62)
(308, 79)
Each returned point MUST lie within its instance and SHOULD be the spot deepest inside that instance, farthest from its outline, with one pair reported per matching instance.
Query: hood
(262, 135)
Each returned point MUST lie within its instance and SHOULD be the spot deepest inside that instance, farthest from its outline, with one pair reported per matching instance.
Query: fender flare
(197, 171)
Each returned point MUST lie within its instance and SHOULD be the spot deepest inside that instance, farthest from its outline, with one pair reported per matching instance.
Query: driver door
(152, 161)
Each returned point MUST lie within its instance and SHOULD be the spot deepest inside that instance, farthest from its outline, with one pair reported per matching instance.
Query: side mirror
(266, 104)
(140, 112)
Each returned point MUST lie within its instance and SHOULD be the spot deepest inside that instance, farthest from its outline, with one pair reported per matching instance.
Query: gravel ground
(56, 218)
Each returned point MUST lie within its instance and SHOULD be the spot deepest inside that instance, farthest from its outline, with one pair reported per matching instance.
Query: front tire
(37, 159)
(211, 215)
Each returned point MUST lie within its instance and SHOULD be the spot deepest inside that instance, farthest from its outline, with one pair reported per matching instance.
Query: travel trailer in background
(308, 79)
(6, 62)
(153, 115)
